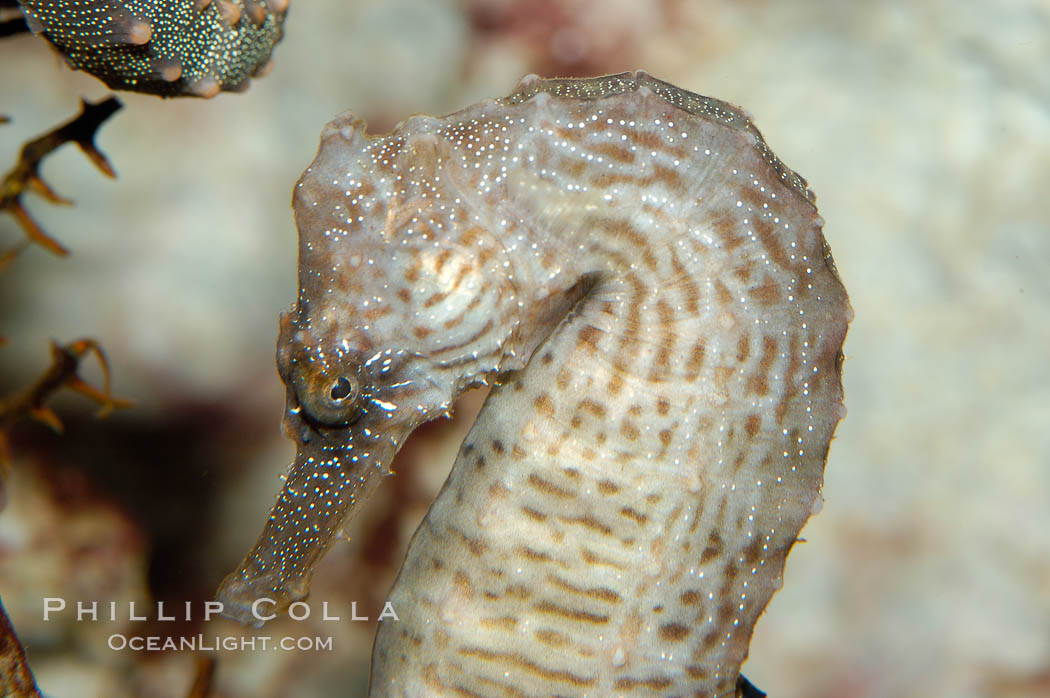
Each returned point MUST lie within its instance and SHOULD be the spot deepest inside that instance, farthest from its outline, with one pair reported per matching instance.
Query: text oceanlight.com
(199, 643)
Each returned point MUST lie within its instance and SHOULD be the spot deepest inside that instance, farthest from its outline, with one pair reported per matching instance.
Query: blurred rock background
(924, 128)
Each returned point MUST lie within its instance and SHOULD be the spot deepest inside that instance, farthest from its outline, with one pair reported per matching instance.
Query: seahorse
(647, 289)
(164, 47)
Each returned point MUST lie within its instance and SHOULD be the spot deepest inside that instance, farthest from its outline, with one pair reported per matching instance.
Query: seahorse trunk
(649, 286)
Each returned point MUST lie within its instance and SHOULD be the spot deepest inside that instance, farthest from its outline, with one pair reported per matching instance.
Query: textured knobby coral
(649, 288)
(165, 47)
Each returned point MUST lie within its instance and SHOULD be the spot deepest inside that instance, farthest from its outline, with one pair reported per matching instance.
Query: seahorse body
(165, 47)
(649, 289)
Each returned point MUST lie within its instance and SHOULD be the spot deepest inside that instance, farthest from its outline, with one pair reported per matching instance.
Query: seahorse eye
(326, 400)
(342, 389)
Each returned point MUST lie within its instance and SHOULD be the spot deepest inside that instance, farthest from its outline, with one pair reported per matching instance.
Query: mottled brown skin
(649, 289)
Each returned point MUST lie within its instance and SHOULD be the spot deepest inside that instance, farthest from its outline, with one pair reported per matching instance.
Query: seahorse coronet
(648, 289)
(169, 48)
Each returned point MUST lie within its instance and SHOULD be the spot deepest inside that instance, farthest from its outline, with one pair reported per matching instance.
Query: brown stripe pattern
(648, 287)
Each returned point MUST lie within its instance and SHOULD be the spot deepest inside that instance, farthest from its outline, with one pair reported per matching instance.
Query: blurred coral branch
(65, 360)
(202, 682)
(26, 176)
(15, 25)
(16, 680)
(12, 21)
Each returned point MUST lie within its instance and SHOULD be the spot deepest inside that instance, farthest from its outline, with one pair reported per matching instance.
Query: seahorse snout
(335, 467)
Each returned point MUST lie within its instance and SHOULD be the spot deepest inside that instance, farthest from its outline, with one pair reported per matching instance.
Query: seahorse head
(405, 300)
